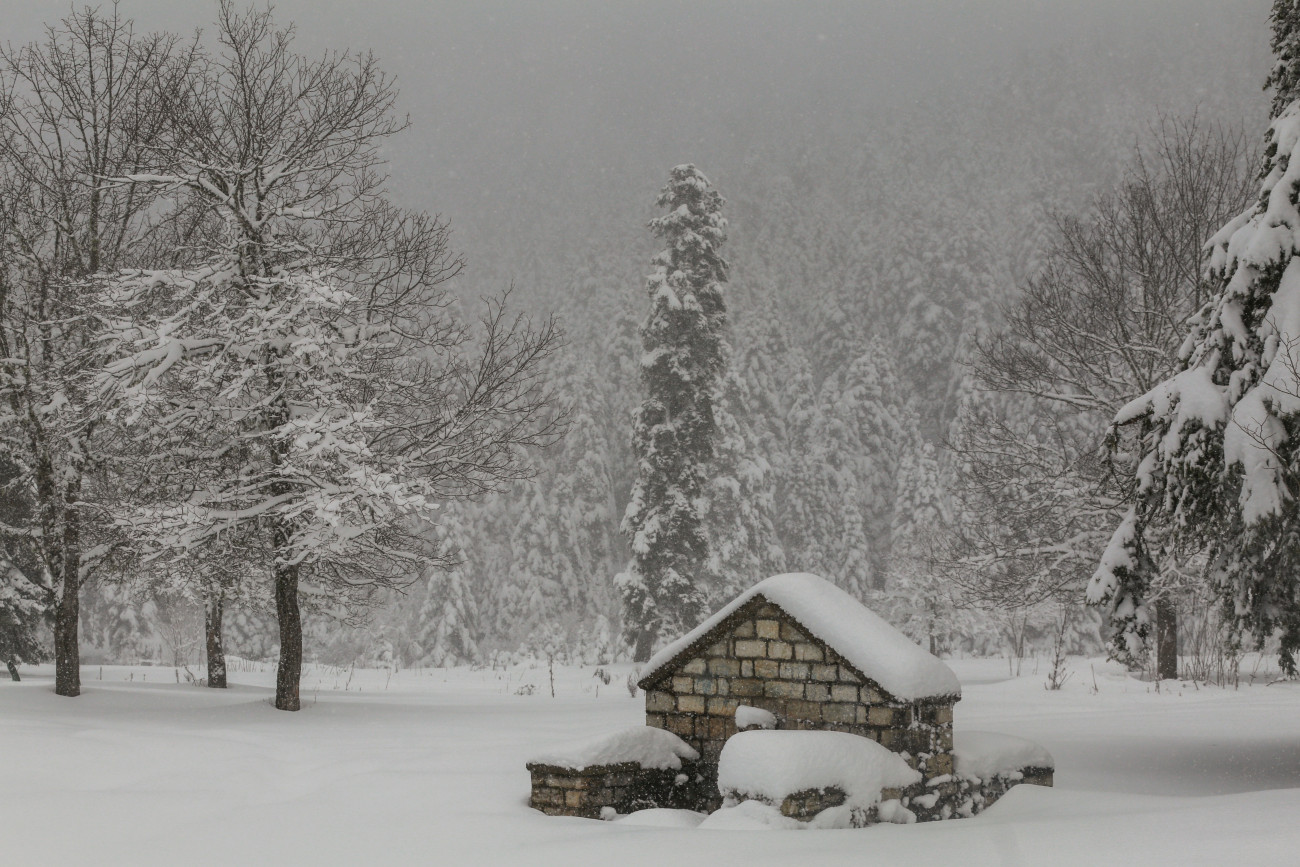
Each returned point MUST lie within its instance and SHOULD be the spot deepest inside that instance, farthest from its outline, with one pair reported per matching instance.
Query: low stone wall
(957, 797)
(625, 787)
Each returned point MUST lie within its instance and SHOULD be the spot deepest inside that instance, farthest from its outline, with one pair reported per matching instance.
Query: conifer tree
(1284, 79)
(1219, 441)
(674, 428)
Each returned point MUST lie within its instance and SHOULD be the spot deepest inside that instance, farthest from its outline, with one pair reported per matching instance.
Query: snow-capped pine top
(643, 745)
(984, 754)
(771, 765)
(864, 639)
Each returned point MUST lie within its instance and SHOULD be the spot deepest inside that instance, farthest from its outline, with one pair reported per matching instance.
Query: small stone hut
(801, 648)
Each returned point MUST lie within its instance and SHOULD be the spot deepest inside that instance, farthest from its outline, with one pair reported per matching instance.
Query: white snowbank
(984, 754)
(750, 816)
(662, 817)
(646, 746)
(771, 765)
(867, 641)
(747, 716)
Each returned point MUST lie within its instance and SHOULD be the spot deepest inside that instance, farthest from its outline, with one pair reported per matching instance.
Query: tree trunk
(289, 672)
(645, 640)
(67, 649)
(1166, 640)
(212, 614)
(13, 669)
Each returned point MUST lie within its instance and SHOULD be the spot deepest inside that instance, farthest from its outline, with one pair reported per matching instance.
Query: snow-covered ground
(428, 767)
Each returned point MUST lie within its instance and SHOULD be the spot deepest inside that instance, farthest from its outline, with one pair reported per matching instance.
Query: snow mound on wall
(771, 765)
(867, 641)
(985, 754)
(747, 716)
(643, 745)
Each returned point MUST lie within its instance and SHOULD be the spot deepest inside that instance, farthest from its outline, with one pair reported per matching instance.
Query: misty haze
(545, 433)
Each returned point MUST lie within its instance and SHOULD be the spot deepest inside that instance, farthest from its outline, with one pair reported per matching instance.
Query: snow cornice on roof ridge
(872, 647)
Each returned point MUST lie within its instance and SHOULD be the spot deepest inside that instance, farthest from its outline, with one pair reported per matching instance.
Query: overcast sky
(518, 108)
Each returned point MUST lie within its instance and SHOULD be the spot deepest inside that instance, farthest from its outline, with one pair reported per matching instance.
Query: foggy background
(890, 171)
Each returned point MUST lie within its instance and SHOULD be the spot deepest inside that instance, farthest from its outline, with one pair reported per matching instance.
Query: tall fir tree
(1219, 441)
(684, 354)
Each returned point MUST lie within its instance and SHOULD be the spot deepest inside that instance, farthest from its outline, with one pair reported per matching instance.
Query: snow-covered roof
(865, 640)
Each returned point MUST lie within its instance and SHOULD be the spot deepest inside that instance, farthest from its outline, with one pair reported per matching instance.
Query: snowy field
(428, 767)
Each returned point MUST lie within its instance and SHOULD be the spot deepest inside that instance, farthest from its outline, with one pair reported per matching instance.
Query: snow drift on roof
(863, 638)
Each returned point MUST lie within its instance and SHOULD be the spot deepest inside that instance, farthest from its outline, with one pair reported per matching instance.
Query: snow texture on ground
(866, 640)
(428, 767)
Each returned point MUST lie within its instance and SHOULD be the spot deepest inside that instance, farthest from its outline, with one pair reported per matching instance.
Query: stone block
(839, 713)
(574, 799)
(881, 716)
(942, 739)
(767, 628)
(750, 648)
(658, 701)
(804, 710)
(817, 692)
(782, 689)
(721, 728)
(683, 684)
(769, 611)
(767, 668)
(723, 706)
(792, 633)
(654, 720)
(794, 671)
(680, 724)
(807, 652)
(547, 796)
(844, 692)
(726, 667)
(938, 765)
(746, 688)
(695, 666)
(847, 676)
(780, 650)
(747, 668)
(744, 629)
(861, 713)
(826, 672)
(874, 696)
(705, 686)
(894, 739)
(941, 714)
(719, 649)
(690, 703)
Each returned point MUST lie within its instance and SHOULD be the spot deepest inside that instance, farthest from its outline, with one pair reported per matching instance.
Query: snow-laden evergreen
(1218, 440)
(664, 587)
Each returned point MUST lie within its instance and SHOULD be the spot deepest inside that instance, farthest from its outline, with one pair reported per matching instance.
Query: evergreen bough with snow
(1218, 462)
(684, 355)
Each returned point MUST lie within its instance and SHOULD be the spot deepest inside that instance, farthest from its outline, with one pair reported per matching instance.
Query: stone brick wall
(626, 787)
(762, 657)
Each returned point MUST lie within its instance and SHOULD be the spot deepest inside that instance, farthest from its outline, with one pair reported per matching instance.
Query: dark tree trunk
(1166, 640)
(67, 649)
(645, 640)
(212, 614)
(289, 672)
(13, 670)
